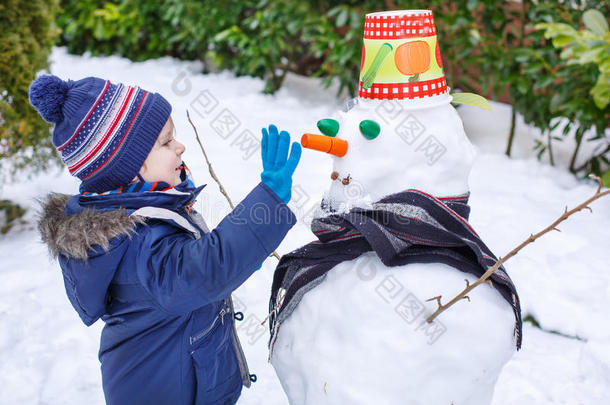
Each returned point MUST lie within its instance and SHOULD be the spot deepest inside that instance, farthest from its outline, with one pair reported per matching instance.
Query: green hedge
(27, 34)
(488, 46)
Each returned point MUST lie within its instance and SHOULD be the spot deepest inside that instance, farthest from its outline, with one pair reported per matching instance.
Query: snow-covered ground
(49, 357)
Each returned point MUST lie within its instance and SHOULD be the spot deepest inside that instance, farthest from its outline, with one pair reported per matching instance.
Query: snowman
(349, 311)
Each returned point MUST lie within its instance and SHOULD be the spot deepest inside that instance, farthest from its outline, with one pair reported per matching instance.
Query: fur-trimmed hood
(79, 235)
(91, 236)
(75, 235)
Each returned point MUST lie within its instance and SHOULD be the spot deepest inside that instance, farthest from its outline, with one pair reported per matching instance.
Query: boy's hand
(278, 167)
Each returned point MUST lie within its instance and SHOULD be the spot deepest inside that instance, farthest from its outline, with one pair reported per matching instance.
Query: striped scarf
(407, 227)
(187, 185)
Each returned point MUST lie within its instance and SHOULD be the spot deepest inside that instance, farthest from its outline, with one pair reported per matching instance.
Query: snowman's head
(384, 147)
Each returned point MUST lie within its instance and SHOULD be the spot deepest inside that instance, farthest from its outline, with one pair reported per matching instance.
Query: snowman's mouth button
(345, 181)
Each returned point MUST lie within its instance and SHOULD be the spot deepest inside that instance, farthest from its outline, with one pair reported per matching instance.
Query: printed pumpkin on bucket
(413, 58)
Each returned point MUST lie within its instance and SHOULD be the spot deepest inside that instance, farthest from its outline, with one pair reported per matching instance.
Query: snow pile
(50, 357)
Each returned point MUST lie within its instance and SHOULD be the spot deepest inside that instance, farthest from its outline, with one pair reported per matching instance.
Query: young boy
(134, 253)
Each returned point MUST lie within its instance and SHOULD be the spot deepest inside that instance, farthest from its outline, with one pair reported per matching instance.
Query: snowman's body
(360, 337)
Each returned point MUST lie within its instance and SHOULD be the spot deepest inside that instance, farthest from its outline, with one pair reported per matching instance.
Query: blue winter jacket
(161, 282)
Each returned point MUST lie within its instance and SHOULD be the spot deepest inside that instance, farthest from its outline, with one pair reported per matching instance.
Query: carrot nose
(334, 146)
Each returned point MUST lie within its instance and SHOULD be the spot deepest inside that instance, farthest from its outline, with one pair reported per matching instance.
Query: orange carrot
(334, 146)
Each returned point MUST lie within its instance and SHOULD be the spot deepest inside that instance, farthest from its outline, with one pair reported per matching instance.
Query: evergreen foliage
(27, 33)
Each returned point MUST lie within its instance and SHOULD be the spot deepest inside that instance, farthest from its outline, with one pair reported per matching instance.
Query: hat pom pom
(48, 95)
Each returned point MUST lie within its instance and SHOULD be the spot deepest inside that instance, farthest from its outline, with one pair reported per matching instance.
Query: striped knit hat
(103, 131)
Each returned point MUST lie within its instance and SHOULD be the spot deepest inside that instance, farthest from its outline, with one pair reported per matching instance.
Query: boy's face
(164, 158)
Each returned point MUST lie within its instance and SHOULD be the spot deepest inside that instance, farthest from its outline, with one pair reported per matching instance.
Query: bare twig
(213, 174)
(210, 168)
(530, 239)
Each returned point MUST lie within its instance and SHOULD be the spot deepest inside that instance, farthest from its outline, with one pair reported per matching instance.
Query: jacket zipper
(220, 315)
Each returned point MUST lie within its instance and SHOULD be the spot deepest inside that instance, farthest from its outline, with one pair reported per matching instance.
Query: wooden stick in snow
(484, 278)
(213, 174)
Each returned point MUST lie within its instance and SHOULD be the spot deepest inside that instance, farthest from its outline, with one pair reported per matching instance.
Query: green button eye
(369, 129)
(328, 127)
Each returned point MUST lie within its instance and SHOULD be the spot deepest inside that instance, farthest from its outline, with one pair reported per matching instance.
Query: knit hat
(103, 131)
(401, 58)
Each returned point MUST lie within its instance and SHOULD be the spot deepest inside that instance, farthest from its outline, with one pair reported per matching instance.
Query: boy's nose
(180, 148)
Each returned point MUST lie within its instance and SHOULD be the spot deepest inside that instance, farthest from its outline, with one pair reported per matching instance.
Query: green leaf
(556, 102)
(472, 4)
(222, 35)
(292, 27)
(601, 92)
(555, 29)
(471, 99)
(355, 19)
(589, 56)
(604, 66)
(606, 179)
(542, 26)
(475, 35)
(544, 82)
(562, 40)
(595, 21)
(342, 18)
(333, 11)
(567, 53)
(524, 55)
(522, 85)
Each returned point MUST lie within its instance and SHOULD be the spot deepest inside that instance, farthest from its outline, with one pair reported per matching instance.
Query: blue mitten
(278, 167)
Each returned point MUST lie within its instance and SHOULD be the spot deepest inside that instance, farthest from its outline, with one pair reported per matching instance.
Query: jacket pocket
(215, 364)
